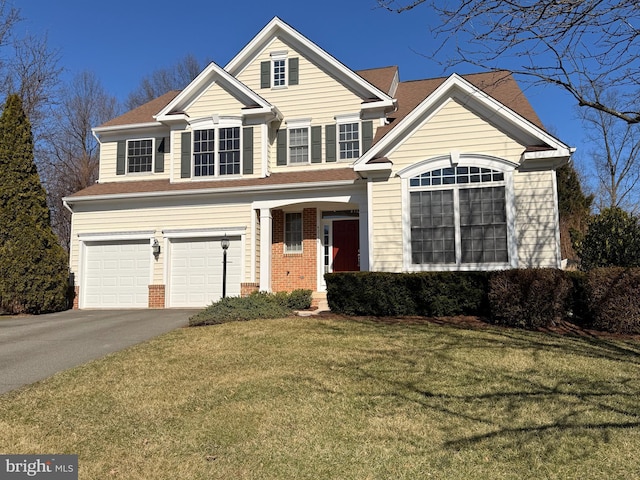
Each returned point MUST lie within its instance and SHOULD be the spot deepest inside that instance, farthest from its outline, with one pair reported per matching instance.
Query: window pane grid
(279, 73)
(140, 155)
(432, 227)
(293, 232)
(204, 152)
(472, 216)
(299, 145)
(456, 175)
(229, 151)
(349, 140)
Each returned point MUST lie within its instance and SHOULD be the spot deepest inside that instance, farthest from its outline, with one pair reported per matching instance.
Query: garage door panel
(195, 272)
(117, 274)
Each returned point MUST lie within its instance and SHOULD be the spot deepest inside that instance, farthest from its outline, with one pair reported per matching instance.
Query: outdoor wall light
(155, 248)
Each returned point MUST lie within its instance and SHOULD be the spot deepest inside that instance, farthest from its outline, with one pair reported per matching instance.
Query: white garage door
(195, 271)
(117, 274)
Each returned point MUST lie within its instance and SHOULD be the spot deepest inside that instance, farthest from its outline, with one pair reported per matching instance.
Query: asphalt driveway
(36, 347)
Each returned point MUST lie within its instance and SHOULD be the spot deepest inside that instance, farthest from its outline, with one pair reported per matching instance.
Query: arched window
(458, 218)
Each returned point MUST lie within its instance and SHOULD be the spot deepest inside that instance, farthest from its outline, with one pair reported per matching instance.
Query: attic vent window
(279, 72)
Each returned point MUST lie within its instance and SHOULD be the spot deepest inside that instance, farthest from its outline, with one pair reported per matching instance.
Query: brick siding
(290, 271)
(156, 296)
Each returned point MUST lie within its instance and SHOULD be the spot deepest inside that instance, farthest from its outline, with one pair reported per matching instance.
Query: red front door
(346, 242)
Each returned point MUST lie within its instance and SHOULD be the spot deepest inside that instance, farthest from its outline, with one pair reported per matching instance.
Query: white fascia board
(211, 191)
(450, 88)
(120, 128)
(373, 167)
(277, 27)
(209, 75)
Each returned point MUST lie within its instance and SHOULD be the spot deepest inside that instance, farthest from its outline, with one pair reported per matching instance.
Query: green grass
(316, 398)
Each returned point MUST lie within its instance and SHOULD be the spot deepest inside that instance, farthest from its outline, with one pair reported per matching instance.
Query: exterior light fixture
(224, 243)
(155, 248)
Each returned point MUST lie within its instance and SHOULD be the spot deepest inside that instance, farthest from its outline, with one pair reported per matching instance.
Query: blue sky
(123, 40)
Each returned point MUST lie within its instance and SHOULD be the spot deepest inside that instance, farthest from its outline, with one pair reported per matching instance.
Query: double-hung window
(216, 152)
(293, 232)
(349, 140)
(458, 217)
(139, 155)
(299, 145)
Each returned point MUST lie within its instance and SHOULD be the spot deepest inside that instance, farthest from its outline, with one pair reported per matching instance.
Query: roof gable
(214, 74)
(276, 28)
(484, 94)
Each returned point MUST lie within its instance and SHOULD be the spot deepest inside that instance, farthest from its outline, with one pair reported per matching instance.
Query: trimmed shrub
(614, 299)
(401, 294)
(528, 298)
(577, 308)
(255, 306)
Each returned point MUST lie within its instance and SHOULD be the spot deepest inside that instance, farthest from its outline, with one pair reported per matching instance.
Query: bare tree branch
(587, 47)
(163, 80)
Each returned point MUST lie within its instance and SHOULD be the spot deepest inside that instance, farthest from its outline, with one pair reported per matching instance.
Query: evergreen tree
(33, 265)
(612, 240)
(573, 207)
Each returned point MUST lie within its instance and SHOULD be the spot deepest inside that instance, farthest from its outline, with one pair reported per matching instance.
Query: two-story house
(308, 167)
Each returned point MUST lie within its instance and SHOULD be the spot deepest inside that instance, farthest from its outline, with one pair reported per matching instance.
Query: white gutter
(130, 126)
(209, 191)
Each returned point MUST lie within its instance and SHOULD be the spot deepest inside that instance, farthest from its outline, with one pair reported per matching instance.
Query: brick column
(156, 296)
(290, 271)
(76, 296)
(248, 288)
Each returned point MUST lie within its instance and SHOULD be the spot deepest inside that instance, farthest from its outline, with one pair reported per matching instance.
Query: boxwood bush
(430, 294)
(529, 298)
(613, 299)
(255, 306)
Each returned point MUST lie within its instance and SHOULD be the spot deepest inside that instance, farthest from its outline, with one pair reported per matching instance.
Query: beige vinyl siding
(307, 100)
(387, 225)
(108, 152)
(160, 218)
(215, 100)
(454, 127)
(536, 219)
(107, 172)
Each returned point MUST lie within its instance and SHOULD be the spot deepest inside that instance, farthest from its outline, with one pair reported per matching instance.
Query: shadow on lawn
(500, 387)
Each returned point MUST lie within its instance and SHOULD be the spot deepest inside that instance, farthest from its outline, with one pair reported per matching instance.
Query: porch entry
(341, 241)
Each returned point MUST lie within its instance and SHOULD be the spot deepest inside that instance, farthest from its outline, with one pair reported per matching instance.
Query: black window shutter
(367, 135)
(121, 158)
(247, 150)
(316, 144)
(265, 74)
(281, 156)
(330, 139)
(158, 165)
(293, 71)
(185, 155)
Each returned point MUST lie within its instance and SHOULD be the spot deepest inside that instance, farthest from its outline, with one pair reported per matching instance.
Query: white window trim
(343, 120)
(286, 248)
(294, 125)
(153, 155)
(215, 122)
(275, 56)
(481, 161)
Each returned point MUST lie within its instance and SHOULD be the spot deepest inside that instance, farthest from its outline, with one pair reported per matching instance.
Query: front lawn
(323, 397)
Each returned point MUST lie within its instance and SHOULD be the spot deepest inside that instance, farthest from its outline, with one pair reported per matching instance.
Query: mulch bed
(470, 322)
